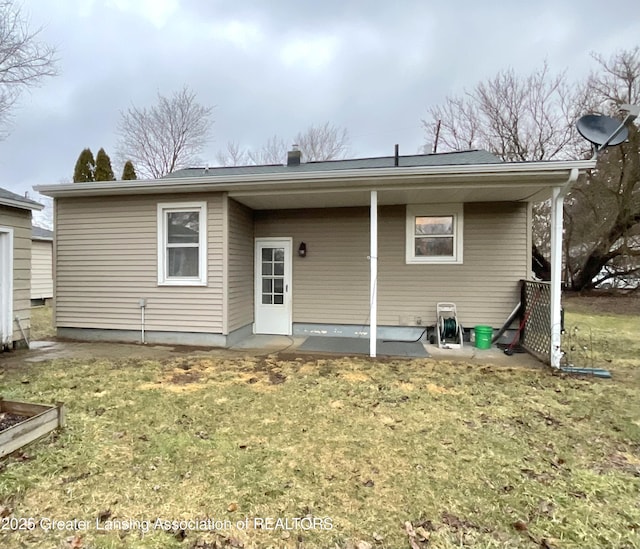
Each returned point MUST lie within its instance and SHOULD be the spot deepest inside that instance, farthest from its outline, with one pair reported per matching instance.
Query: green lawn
(348, 451)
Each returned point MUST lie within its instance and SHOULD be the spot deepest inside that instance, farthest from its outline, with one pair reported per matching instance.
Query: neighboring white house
(41, 265)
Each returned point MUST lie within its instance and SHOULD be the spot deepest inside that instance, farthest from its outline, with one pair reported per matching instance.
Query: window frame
(435, 210)
(165, 208)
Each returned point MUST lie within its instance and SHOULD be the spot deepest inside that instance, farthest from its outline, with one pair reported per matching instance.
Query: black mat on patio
(360, 346)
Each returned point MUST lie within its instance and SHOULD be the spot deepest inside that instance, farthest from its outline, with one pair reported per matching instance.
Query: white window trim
(6, 301)
(163, 209)
(417, 210)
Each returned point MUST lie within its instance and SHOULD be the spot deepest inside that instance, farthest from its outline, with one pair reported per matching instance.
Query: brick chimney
(294, 156)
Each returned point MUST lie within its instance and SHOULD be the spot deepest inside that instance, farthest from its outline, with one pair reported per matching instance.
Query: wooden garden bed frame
(42, 419)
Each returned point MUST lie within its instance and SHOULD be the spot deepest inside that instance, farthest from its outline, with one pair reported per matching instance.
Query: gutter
(287, 179)
(34, 206)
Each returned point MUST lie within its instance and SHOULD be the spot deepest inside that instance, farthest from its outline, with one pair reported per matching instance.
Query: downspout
(557, 207)
(142, 303)
(373, 258)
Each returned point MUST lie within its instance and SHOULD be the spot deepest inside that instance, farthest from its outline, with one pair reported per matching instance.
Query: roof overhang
(524, 182)
(21, 204)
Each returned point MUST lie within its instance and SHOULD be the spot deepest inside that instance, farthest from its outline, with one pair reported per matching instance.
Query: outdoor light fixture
(302, 250)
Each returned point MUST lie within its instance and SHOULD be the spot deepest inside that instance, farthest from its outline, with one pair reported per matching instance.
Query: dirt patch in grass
(369, 453)
(438, 454)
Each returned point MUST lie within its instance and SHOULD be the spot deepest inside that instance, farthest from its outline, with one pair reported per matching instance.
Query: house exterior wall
(331, 284)
(240, 266)
(20, 221)
(41, 269)
(106, 260)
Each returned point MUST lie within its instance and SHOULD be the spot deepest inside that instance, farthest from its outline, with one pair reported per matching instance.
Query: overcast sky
(276, 67)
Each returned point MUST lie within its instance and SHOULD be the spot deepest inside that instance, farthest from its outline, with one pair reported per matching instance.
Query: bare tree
(165, 137)
(24, 60)
(532, 118)
(516, 118)
(602, 244)
(326, 142)
(274, 151)
(233, 155)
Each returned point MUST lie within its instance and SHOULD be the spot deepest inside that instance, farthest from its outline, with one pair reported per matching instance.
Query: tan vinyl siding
(41, 269)
(107, 259)
(20, 221)
(332, 283)
(484, 288)
(240, 266)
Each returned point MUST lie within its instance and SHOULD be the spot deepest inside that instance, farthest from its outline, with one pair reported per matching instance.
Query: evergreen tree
(129, 172)
(85, 167)
(103, 171)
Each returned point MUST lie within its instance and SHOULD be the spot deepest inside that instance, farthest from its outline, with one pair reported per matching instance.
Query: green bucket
(483, 337)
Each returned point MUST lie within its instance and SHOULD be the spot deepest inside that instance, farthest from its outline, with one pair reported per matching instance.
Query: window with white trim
(182, 244)
(434, 233)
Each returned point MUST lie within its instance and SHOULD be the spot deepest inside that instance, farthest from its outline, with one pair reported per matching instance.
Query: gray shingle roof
(40, 233)
(441, 159)
(19, 201)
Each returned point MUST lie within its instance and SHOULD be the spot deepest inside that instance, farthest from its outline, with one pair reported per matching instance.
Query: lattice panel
(536, 334)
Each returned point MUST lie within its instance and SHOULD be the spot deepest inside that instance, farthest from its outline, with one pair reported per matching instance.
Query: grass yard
(346, 452)
(41, 323)
(603, 331)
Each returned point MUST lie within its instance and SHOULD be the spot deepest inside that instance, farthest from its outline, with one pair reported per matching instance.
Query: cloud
(310, 52)
(158, 12)
(277, 67)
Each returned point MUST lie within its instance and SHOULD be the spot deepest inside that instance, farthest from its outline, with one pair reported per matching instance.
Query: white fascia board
(358, 177)
(20, 204)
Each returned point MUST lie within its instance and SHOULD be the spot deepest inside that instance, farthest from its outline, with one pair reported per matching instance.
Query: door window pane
(278, 285)
(273, 273)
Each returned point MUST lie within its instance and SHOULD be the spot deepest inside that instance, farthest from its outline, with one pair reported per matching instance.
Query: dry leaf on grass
(75, 542)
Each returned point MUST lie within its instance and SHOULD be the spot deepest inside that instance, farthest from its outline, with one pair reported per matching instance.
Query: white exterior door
(6, 286)
(273, 314)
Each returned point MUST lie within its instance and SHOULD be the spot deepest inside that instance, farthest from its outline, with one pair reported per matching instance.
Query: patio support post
(557, 206)
(373, 284)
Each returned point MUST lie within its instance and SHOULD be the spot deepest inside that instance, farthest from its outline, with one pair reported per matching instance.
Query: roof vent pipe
(397, 156)
(294, 156)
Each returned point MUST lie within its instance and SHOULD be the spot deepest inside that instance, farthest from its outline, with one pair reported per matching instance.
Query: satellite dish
(602, 131)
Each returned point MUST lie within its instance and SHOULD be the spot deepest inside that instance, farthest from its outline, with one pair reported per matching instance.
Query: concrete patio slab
(254, 345)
